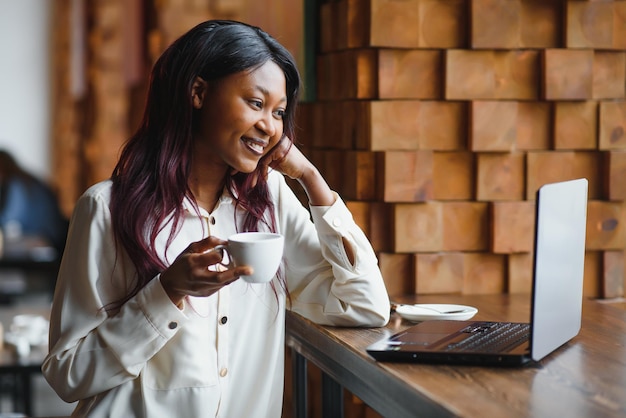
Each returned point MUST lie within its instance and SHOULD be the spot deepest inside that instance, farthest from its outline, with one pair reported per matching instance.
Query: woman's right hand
(189, 274)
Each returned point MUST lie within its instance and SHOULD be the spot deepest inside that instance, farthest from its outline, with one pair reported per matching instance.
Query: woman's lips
(254, 145)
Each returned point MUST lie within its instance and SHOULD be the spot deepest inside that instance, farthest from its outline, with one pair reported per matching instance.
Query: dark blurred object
(28, 207)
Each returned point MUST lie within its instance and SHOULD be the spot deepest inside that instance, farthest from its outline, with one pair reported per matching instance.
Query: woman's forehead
(267, 78)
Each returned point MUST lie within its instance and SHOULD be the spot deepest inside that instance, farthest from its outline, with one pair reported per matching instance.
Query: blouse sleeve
(92, 351)
(324, 285)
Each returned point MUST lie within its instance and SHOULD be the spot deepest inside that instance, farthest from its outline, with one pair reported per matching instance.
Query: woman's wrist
(316, 188)
(176, 297)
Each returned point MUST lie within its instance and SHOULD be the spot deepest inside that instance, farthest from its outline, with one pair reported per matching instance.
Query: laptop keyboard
(491, 337)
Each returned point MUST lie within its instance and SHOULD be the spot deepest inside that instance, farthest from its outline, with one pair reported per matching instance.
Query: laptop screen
(560, 232)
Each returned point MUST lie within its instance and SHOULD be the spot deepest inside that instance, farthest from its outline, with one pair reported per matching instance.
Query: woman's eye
(257, 103)
(279, 114)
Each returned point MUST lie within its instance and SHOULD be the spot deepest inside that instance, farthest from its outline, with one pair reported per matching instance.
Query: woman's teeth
(255, 146)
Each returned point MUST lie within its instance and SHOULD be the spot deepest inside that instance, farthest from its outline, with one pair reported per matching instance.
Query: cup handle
(225, 255)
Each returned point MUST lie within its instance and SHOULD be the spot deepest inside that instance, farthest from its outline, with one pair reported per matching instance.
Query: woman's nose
(267, 124)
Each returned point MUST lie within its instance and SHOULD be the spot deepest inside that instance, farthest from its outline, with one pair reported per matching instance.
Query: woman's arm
(328, 283)
(289, 160)
(92, 351)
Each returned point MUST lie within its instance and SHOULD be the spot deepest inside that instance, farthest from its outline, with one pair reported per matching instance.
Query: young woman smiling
(144, 323)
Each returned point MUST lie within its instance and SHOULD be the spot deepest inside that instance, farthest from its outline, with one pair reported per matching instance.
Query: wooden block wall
(451, 113)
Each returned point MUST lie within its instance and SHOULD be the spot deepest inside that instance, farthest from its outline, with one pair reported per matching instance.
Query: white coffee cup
(263, 251)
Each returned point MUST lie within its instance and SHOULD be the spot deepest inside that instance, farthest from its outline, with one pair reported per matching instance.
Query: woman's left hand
(288, 159)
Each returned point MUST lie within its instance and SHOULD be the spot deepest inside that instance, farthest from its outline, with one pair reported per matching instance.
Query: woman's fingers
(204, 245)
(190, 274)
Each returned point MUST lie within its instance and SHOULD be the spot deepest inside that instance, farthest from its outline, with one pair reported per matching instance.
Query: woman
(143, 322)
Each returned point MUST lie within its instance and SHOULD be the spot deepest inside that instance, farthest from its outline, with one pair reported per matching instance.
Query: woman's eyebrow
(266, 92)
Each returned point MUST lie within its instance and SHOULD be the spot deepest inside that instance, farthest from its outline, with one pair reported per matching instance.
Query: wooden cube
(374, 218)
(305, 128)
(357, 23)
(593, 276)
(347, 121)
(484, 273)
(361, 214)
(512, 24)
(443, 24)
(453, 175)
(605, 225)
(327, 79)
(534, 127)
(517, 75)
(349, 74)
(500, 176)
(613, 274)
(575, 125)
(394, 23)
(488, 74)
(568, 74)
(465, 226)
(359, 175)
(599, 25)
(493, 125)
(411, 23)
(612, 125)
(388, 125)
(397, 271)
(413, 182)
(520, 273)
(417, 227)
(614, 175)
(365, 75)
(442, 125)
(328, 25)
(495, 24)
(381, 218)
(609, 75)
(439, 272)
(409, 74)
(332, 115)
(541, 24)
(470, 75)
(512, 227)
(619, 25)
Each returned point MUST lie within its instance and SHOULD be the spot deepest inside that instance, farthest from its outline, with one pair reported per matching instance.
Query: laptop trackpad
(429, 332)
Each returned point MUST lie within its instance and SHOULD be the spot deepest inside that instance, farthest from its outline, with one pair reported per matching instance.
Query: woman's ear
(198, 92)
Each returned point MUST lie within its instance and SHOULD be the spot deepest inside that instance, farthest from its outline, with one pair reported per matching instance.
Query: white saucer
(435, 311)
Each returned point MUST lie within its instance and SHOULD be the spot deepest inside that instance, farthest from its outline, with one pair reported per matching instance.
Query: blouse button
(223, 372)
(172, 325)
(336, 222)
(223, 320)
(212, 220)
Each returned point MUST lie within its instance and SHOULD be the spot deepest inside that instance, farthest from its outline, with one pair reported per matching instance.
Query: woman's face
(241, 116)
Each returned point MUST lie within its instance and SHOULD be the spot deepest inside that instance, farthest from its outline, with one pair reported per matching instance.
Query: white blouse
(218, 356)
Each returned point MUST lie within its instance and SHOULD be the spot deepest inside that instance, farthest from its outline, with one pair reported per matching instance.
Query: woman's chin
(243, 169)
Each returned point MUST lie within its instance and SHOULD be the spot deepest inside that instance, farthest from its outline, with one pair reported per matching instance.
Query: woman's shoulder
(99, 191)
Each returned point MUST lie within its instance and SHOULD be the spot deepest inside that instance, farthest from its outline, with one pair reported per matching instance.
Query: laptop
(556, 305)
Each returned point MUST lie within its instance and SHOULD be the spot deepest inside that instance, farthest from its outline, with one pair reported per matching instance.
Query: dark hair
(155, 163)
